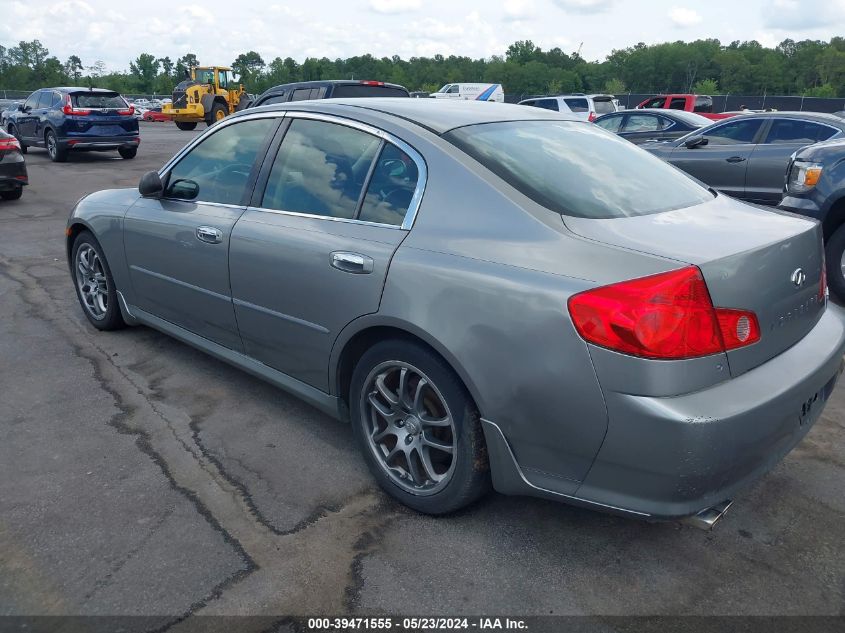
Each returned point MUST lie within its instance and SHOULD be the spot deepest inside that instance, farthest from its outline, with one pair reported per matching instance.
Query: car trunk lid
(753, 259)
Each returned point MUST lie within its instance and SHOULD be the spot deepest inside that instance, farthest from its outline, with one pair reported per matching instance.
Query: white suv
(587, 107)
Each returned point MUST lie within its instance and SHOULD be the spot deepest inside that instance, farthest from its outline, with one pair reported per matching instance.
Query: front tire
(418, 428)
(58, 153)
(127, 152)
(13, 194)
(835, 257)
(94, 284)
(186, 126)
(218, 113)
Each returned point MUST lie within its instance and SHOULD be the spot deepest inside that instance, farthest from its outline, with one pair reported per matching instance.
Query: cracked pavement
(140, 477)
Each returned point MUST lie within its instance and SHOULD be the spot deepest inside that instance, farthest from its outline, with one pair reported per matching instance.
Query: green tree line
(809, 67)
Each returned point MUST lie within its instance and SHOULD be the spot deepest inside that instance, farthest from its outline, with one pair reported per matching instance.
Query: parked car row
(385, 259)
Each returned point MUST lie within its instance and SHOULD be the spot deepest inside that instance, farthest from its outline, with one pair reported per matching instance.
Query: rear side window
(45, 100)
(218, 169)
(578, 105)
(793, 131)
(678, 103)
(391, 188)
(603, 106)
(643, 123)
(611, 123)
(352, 91)
(734, 133)
(321, 169)
(576, 169)
(97, 100)
(32, 100)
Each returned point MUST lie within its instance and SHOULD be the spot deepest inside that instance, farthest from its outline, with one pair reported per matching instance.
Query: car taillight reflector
(668, 316)
(69, 109)
(9, 143)
(592, 117)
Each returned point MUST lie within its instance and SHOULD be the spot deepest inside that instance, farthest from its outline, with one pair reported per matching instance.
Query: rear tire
(418, 428)
(835, 256)
(58, 153)
(127, 152)
(186, 126)
(94, 284)
(13, 194)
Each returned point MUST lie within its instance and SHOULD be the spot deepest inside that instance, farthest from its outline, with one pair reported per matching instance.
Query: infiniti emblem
(798, 278)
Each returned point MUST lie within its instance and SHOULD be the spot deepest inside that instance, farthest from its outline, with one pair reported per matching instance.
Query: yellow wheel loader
(208, 95)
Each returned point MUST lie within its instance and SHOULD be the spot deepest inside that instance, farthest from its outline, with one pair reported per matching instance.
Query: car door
(722, 162)
(768, 163)
(25, 121)
(47, 104)
(331, 206)
(177, 246)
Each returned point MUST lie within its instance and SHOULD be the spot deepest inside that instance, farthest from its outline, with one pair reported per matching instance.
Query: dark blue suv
(78, 119)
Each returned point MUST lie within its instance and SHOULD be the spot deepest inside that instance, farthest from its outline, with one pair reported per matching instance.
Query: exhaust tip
(707, 518)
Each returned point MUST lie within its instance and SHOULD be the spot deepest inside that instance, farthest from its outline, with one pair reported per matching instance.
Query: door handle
(735, 159)
(209, 234)
(354, 263)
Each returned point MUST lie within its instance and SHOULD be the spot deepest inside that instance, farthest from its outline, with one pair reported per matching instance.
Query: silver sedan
(493, 296)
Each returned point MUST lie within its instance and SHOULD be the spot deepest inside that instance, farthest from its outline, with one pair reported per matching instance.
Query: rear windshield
(352, 90)
(97, 100)
(578, 169)
(603, 106)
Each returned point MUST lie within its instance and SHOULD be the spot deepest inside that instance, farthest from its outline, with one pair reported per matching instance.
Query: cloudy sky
(217, 30)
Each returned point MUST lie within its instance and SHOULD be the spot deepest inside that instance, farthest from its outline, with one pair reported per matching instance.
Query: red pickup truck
(700, 104)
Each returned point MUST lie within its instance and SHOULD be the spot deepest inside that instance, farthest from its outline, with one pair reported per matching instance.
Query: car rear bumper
(103, 143)
(12, 172)
(666, 458)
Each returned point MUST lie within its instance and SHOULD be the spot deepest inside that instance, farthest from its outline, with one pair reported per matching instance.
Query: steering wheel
(219, 184)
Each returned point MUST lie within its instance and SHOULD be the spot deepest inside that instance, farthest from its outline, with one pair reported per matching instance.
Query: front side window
(32, 100)
(643, 123)
(223, 79)
(391, 187)
(321, 169)
(301, 94)
(218, 169)
(656, 102)
(611, 123)
(277, 98)
(785, 131)
(734, 133)
(454, 89)
(574, 169)
(546, 104)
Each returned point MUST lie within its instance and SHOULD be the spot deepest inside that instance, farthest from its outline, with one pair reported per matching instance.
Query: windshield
(97, 100)
(690, 118)
(578, 169)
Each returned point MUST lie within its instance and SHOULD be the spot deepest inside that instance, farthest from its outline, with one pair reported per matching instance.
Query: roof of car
(821, 117)
(328, 82)
(80, 89)
(436, 115)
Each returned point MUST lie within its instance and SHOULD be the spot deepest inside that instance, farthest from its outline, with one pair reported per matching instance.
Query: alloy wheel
(51, 145)
(409, 427)
(92, 282)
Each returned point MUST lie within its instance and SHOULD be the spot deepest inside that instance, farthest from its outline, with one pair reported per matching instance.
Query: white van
(474, 92)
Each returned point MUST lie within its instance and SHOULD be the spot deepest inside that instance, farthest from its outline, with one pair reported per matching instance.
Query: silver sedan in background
(491, 295)
(747, 156)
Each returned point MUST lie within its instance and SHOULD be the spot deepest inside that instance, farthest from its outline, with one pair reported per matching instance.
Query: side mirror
(151, 185)
(21, 107)
(696, 141)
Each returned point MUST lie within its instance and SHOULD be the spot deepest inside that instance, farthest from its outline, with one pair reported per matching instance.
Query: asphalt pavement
(139, 476)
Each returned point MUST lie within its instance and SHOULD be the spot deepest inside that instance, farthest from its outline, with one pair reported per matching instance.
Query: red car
(155, 115)
(700, 104)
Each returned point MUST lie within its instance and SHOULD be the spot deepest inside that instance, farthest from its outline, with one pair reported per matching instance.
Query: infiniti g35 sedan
(492, 296)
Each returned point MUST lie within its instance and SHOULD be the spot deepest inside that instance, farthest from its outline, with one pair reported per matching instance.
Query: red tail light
(9, 144)
(665, 316)
(127, 112)
(592, 117)
(69, 109)
(372, 83)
